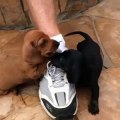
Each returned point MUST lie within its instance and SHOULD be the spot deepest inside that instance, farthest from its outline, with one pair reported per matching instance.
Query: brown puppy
(29, 64)
(37, 49)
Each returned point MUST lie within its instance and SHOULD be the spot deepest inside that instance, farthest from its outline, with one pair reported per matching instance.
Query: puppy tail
(85, 35)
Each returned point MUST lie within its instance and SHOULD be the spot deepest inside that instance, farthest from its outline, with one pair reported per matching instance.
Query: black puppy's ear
(74, 72)
(73, 76)
(55, 59)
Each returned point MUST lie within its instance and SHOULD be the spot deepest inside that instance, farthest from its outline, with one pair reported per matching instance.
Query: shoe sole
(42, 104)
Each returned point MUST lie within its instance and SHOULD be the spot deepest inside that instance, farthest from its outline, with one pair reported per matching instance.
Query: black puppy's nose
(57, 43)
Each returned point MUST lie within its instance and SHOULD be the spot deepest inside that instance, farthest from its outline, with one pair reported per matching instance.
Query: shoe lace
(57, 75)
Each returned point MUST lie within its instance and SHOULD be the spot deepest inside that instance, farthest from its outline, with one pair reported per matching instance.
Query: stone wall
(14, 14)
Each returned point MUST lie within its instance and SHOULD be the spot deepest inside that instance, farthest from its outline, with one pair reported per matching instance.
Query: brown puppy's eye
(49, 54)
(42, 42)
(33, 45)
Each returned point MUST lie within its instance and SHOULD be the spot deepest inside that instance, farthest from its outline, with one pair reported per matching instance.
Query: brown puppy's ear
(42, 42)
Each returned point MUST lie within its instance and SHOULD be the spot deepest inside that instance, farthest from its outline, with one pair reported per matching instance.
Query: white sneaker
(57, 95)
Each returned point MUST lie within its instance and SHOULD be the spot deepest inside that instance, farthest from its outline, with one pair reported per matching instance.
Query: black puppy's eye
(61, 60)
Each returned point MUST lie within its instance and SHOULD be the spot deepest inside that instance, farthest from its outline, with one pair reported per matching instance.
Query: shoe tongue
(61, 98)
(54, 70)
(57, 71)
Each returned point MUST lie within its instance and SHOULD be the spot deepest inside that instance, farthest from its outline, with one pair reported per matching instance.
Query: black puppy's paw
(93, 107)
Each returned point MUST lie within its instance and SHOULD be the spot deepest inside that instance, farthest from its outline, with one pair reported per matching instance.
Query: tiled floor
(102, 22)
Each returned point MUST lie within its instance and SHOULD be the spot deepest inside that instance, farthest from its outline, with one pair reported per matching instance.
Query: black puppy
(83, 66)
(71, 62)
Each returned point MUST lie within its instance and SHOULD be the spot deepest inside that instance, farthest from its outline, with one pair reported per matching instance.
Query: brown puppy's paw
(93, 107)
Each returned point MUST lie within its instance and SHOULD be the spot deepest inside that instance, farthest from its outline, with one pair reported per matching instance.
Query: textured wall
(14, 14)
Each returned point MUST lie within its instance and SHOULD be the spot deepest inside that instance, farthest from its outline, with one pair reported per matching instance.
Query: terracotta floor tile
(106, 8)
(109, 33)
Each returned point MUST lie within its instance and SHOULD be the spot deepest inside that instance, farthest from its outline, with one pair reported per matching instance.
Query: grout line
(106, 56)
(23, 99)
(100, 17)
(24, 12)
(3, 16)
(59, 6)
